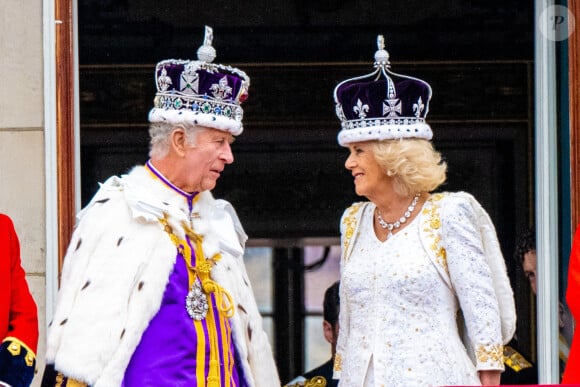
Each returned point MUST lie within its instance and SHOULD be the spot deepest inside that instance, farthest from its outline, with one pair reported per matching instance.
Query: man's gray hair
(160, 132)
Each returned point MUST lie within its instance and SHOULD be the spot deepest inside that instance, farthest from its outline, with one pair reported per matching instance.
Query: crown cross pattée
(189, 82)
(221, 90)
(361, 109)
(392, 107)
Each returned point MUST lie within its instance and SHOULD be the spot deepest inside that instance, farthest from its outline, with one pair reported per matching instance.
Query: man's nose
(227, 154)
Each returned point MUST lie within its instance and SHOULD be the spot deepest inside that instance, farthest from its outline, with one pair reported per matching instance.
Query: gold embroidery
(74, 383)
(59, 380)
(435, 224)
(514, 359)
(68, 382)
(202, 270)
(15, 348)
(337, 362)
(317, 381)
(490, 353)
(203, 267)
(349, 222)
(431, 230)
(437, 196)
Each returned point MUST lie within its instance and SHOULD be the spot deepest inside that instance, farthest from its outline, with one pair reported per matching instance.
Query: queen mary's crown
(382, 105)
(199, 92)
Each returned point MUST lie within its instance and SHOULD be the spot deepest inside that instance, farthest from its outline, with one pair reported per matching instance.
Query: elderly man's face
(206, 160)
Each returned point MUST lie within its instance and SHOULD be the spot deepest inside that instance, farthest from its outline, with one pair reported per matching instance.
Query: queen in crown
(412, 260)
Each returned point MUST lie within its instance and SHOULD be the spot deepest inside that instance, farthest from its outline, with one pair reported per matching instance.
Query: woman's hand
(490, 377)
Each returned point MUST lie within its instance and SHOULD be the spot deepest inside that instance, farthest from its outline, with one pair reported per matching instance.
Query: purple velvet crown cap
(382, 105)
(200, 92)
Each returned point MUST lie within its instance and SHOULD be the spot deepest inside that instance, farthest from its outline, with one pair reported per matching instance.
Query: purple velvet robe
(168, 352)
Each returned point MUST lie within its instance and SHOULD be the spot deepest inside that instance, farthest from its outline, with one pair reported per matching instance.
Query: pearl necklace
(402, 219)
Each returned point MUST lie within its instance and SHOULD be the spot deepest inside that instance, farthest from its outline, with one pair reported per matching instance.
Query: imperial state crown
(200, 92)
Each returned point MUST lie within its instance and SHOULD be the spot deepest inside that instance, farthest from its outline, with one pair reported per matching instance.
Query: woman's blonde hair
(414, 163)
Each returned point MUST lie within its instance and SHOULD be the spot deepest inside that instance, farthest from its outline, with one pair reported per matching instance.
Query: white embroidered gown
(399, 316)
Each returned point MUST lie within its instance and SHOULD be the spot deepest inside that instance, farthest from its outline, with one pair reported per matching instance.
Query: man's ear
(178, 141)
(328, 331)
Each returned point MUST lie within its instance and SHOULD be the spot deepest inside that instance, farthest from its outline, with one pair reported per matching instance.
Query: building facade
(66, 63)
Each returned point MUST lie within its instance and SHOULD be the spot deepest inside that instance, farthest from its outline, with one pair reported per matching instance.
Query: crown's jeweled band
(372, 122)
(198, 105)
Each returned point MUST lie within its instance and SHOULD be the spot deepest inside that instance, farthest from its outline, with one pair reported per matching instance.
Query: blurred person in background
(323, 373)
(572, 370)
(525, 254)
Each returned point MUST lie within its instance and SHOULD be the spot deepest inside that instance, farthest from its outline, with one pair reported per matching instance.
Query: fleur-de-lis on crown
(221, 90)
(361, 109)
(418, 107)
(164, 81)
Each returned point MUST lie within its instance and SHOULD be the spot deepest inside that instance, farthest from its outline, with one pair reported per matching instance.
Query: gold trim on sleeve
(337, 362)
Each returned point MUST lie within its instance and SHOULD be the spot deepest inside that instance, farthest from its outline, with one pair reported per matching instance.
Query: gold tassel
(224, 300)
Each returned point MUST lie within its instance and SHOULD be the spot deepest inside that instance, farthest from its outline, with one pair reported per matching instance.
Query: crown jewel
(200, 92)
(382, 105)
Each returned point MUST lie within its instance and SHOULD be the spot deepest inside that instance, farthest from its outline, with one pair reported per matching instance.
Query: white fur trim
(126, 281)
(384, 132)
(187, 117)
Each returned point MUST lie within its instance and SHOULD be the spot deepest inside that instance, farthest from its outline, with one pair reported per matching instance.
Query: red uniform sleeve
(572, 371)
(19, 315)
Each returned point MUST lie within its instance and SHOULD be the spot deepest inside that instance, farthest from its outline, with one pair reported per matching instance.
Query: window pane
(268, 323)
(258, 262)
(316, 349)
(318, 280)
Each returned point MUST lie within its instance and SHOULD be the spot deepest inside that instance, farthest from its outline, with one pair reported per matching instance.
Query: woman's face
(369, 177)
